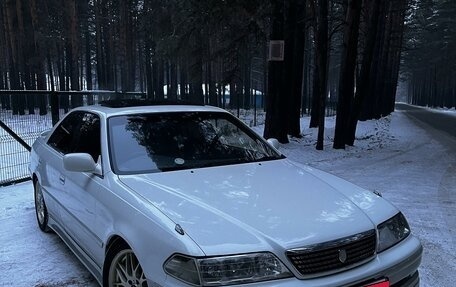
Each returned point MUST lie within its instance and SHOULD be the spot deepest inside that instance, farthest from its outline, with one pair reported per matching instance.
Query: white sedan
(180, 195)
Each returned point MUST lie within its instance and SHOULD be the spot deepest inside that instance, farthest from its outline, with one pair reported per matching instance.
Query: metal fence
(24, 115)
(13, 156)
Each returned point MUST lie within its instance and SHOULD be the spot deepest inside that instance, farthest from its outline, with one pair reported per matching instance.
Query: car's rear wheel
(42, 215)
(125, 270)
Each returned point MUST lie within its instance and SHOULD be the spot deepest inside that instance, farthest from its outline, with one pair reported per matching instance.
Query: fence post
(54, 107)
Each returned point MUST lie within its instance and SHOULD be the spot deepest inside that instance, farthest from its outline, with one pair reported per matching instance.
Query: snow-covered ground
(411, 167)
(447, 111)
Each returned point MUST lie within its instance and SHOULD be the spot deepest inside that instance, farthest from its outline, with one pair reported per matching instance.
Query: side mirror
(45, 133)
(274, 143)
(81, 162)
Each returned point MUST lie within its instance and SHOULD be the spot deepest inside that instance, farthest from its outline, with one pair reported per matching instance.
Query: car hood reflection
(256, 206)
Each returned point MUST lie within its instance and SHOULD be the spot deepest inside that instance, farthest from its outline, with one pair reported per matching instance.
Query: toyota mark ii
(187, 195)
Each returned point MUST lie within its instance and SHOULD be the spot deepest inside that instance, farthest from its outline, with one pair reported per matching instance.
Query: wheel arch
(34, 178)
(114, 241)
(114, 244)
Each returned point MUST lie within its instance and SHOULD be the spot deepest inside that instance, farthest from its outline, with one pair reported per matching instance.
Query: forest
(299, 55)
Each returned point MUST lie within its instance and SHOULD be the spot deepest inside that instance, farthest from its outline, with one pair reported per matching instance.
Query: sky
(412, 167)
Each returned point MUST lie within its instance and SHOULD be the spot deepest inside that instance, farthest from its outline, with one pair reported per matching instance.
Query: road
(445, 123)
(441, 205)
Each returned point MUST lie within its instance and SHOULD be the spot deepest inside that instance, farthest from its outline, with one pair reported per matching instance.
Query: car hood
(260, 206)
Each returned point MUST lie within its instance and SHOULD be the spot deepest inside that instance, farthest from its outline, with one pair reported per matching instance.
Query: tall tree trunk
(12, 46)
(384, 73)
(347, 73)
(73, 35)
(363, 82)
(88, 50)
(315, 102)
(183, 82)
(100, 55)
(305, 102)
(109, 48)
(172, 92)
(232, 87)
(247, 80)
(195, 68)
(39, 48)
(213, 100)
(74, 49)
(276, 107)
(149, 72)
(127, 71)
(294, 60)
(376, 76)
(399, 25)
(3, 55)
(158, 68)
(322, 66)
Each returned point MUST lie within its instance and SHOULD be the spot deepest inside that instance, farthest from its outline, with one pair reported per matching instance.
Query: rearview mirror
(81, 162)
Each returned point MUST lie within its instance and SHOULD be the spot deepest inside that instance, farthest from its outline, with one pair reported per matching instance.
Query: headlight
(226, 270)
(392, 231)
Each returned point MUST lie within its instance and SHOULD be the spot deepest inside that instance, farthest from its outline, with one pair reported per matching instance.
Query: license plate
(384, 283)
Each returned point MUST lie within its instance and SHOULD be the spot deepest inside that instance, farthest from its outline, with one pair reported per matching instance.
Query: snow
(413, 168)
(448, 111)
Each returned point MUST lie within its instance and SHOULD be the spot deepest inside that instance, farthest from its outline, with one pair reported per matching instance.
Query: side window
(62, 138)
(78, 132)
(87, 136)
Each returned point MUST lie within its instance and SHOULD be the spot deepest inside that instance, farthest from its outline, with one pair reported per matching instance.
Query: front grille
(334, 256)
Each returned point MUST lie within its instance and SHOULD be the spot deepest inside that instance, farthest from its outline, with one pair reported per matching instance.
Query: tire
(41, 212)
(123, 268)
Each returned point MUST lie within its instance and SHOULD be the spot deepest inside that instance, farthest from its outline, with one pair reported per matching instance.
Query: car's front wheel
(125, 270)
(42, 215)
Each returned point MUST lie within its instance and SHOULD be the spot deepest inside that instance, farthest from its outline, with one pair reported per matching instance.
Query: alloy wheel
(125, 271)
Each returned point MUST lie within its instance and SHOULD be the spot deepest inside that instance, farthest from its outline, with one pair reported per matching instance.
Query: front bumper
(410, 281)
(399, 264)
(413, 280)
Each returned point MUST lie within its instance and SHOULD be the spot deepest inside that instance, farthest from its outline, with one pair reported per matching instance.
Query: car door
(74, 192)
(51, 161)
(83, 189)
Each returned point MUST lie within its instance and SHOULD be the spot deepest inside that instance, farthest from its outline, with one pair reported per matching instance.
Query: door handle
(62, 179)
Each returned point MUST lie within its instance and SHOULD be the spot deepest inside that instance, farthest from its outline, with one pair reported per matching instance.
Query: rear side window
(79, 132)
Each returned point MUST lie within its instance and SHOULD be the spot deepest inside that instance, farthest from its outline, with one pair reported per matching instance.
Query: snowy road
(444, 122)
(414, 168)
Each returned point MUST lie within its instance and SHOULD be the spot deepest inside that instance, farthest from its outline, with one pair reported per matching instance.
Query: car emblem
(342, 255)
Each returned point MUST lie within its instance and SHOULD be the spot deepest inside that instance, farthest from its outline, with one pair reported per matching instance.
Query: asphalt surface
(440, 121)
(441, 128)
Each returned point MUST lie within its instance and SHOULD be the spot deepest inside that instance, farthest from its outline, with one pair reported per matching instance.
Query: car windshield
(158, 142)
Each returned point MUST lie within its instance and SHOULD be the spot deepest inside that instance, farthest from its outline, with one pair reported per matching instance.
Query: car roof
(128, 108)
